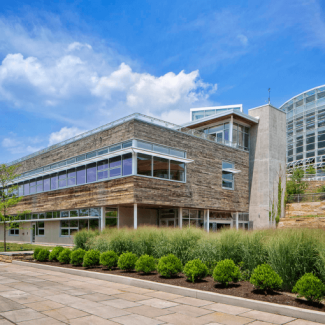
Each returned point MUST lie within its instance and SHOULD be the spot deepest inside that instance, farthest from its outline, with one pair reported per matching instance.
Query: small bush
(108, 259)
(55, 253)
(169, 266)
(226, 271)
(91, 258)
(310, 287)
(195, 270)
(64, 256)
(265, 278)
(43, 255)
(81, 238)
(36, 251)
(145, 264)
(77, 256)
(127, 261)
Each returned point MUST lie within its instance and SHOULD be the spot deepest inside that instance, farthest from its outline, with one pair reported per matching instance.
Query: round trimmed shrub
(55, 253)
(195, 270)
(265, 278)
(64, 256)
(226, 271)
(169, 266)
(91, 258)
(145, 264)
(127, 261)
(43, 255)
(36, 251)
(108, 259)
(310, 287)
(77, 256)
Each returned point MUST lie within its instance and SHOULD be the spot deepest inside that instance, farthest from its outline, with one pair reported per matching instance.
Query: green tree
(8, 198)
(295, 185)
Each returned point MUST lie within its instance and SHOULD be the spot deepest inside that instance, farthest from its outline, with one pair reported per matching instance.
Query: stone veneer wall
(302, 222)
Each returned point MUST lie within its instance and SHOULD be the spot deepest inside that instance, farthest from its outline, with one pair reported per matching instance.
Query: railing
(301, 198)
(138, 116)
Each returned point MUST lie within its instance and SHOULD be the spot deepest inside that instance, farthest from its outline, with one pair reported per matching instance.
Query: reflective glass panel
(84, 212)
(144, 164)
(93, 224)
(26, 188)
(47, 183)
(177, 170)
(95, 212)
(127, 164)
(81, 175)
(91, 173)
(115, 162)
(115, 172)
(160, 167)
(54, 182)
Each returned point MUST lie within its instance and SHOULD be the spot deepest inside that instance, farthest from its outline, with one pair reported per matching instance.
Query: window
(32, 187)
(160, 167)
(69, 227)
(227, 175)
(127, 164)
(81, 175)
(71, 175)
(15, 230)
(39, 185)
(192, 218)
(177, 171)
(91, 173)
(115, 166)
(40, 230)
(47, 183)
(111, 218)
(54, 182)
(102, 169)
(144, 164)
(26, 188)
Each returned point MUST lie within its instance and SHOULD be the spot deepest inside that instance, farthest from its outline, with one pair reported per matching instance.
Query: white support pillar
(231, 127)
(135, 216)
(180, 218)
(208, 220)
(134, 163)
(102, 218)
(237, 215)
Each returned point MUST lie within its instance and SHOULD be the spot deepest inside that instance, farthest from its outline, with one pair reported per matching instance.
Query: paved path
(31, 296)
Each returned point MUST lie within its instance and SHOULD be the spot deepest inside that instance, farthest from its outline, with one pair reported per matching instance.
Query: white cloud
(75, 46)
(243, 39)
(20, 146)
(64, 134)
(9, 143)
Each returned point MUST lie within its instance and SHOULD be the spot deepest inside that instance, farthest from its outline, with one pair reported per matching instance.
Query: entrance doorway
(167, 222)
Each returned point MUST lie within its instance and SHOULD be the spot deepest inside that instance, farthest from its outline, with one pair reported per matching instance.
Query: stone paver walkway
(31, 296)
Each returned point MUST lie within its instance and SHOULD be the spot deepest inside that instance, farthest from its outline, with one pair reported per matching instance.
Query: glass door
(33, 233)
(219, 137)
(167, 222)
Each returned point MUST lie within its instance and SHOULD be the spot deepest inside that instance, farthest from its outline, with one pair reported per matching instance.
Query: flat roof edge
(267, 105)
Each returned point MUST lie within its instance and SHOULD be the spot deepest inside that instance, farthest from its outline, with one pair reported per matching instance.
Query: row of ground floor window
(58, 226)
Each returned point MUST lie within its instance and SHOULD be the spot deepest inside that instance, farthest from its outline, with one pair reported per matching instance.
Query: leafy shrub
(145, 264)
(55, 253)
(43, 255)
(91, 258)
(169, 266)
(310, 287)
(82, 237)
(77, 256)
(226, 271)
(108, 259)
(195, 270)
(127, 261)
(36, 251)
(64, 256)
(265, 278)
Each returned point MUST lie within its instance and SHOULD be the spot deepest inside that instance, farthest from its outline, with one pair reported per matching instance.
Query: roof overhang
(220, 117)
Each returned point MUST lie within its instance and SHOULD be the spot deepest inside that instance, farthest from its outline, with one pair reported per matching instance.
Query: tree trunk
(4, 236)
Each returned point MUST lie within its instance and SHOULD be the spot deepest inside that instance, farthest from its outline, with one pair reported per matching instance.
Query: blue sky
(70, 66)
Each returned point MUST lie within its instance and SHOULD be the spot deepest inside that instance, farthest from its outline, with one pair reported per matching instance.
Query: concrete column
(135, 216)
(102, 218)
(237, 218)
(180, 218)
(208, 220)
(231, 127)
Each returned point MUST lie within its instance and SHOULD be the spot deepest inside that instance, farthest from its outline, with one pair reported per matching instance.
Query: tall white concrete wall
(24, 233)
(267, 158)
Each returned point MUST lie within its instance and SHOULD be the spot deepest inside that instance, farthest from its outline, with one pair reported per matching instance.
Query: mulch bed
(241, 289)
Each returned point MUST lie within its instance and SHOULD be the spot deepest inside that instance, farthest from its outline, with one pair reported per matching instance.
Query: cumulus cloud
(64, 134)
(20, 146)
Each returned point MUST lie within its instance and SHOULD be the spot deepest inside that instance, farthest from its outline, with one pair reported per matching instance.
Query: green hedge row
(263, 276)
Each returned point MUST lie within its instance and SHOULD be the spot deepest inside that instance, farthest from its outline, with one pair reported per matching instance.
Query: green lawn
(21, 247)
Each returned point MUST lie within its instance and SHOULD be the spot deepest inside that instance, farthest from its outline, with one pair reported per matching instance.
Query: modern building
(198, 113)
(305, 114)
(213, 172)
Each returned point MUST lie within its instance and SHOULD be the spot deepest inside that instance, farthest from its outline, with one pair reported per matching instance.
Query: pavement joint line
(306, 314)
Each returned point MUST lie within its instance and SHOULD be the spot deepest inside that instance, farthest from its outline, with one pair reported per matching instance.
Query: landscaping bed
(242, 289)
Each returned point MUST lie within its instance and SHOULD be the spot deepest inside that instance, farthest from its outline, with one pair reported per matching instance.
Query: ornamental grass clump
(43, 255)
(55, 253)
(169, 266)
(226, 271)
(310, 287)
(108, 259)
(36, 251)
(91, 258)
(145, 264)
(77, 257)
(265, 278)
(127, 261)
(64, 256)
(195, 270)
